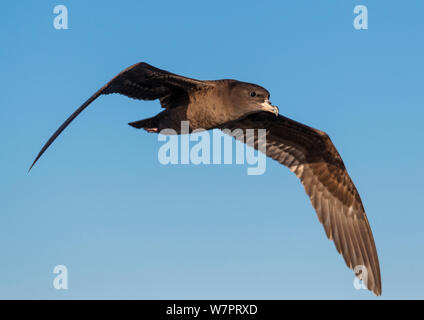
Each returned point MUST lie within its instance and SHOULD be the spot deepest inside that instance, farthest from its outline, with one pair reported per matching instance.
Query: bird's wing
(145, 82)
(311, 155)
(139, 81)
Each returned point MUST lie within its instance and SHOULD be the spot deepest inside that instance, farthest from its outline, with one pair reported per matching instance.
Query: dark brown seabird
(307, 152)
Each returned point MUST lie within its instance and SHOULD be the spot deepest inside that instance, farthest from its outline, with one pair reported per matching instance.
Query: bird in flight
(307, 152)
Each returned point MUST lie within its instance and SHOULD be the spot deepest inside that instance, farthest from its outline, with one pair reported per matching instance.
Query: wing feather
(143, 82)
(310, 154)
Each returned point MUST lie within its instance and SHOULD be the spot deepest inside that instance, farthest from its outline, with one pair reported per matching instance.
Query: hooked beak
(267, 106)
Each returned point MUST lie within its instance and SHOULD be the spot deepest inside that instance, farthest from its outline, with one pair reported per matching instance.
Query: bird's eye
(253, 94)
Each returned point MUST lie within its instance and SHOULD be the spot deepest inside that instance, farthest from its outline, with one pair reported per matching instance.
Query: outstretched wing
(139, 81)
(311, 155)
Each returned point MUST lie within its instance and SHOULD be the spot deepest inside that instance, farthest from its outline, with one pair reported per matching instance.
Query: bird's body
(208, 106)
(307, 152)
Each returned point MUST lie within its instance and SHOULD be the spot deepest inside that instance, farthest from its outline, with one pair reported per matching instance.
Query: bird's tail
(149, 124)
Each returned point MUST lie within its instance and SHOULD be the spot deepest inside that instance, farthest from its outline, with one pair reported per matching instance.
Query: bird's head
(250, 98)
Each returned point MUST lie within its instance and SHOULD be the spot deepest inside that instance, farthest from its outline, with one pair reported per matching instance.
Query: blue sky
(128, 227)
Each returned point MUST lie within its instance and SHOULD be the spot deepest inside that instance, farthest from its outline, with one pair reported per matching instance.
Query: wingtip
(32, 165)
(35, 161)
(377, 291)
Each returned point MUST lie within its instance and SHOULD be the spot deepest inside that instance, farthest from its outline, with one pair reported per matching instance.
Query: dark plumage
(231, 104)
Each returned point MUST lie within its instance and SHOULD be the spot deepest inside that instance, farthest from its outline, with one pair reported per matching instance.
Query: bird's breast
(206, 111)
